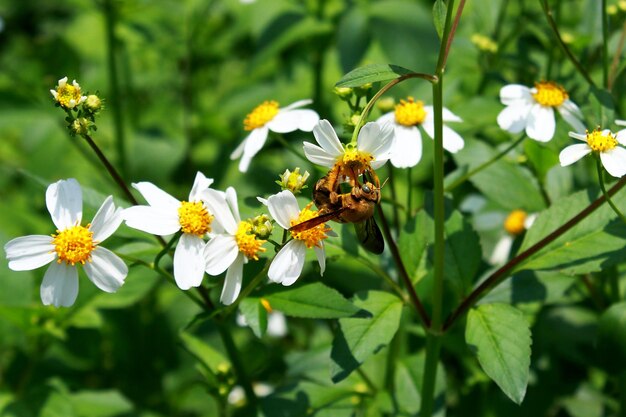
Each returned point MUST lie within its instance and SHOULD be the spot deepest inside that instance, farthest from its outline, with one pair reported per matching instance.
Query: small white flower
(515, 224)
(68, 96)
(532, 109)
(406, 119)
(372, 149)
(269, 116)
(228, 251)
(72, 244)
(287, 265)
(605, 143)
(165, 215)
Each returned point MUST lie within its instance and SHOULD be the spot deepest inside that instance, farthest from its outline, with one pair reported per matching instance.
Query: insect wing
(370, 236)
(311, 223)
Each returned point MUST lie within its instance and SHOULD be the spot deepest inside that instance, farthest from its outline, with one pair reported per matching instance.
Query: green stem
(505, 271)
(404, 275)
(166, 249)
(409, 194)
(386, 87)
(433, 337)
(367, 380)
(235, 358)
(600, 171)
(484, 165)
(563, 45)
(616, 57)
(448, 35)
(605, 46)
(116, 104)
(394, 197)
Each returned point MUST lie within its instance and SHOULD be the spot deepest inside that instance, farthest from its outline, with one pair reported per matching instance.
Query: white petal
(217, 205)
(189, 261)
(515, 93)
(387, 118)
(452, 141)
(106, 221)
(320, 253)
(579, 136)
(232, 282)
(540, 125)
(155, 196)
(283, 207)
(152, 220)
(287, 265)
(614, 161)
(298, 104)
(573, 153)
(502, 250)
(407, 147)
(253, 144)
(231, 199)
(621, 137)
(377, 139)
(318, 156)
(448, 116)
(276, 324)
(200, 184)
(220, 253)
(60, 285)
(239, 149)
(64, 200)
(327, 138)
(620, 122)
(289, 121)
(106, 270)
(29, 252)
(513, 118)
(570, 112)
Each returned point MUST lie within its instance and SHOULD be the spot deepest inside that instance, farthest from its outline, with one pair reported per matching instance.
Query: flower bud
(343, 93)
(93, 104)
(293, 181)
(80, 126)
(386, 104)
(261, 226)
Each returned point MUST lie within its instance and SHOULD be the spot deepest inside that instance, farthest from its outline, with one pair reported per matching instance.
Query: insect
(354, 206)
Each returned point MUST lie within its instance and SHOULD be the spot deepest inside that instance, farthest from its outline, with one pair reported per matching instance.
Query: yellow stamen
(355, 160)
(68, 95)
(266, 305)
(601, 142)
(550, 94)
(247, 242)
(313, 236)
(514, 223)
(194, 218)
(74, 245)
(410, 112)
(261, 114)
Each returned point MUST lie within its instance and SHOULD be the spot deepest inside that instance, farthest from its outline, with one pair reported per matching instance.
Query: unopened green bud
(344, 93)
(293, 181)
(354, 119)
(261, 226)
(93, 103)
(363, 89)
(80, 126)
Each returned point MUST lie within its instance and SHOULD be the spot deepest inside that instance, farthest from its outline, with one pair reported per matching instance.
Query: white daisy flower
(532, 109)
(406, 119)
(269, 116)
(515, 224)
(68, 96)
(605, 143)
(228, 251)
(71, 245)
(165, 215)
(287, 265)
(372, 149)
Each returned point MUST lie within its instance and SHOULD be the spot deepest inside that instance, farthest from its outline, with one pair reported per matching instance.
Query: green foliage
(314, 301)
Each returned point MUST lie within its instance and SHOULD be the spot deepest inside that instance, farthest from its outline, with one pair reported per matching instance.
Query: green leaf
(100, 403)
(213, 361)
(439, 16)
(603, 107)
(372, 73)
(499, 335)
(611, 344)
(506, 183)
(314, 301)
(255, 315)
(361, 337)
(408, 377)
(593, 244)
(546, 287)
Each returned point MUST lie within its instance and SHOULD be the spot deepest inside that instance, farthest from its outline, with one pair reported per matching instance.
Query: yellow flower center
(66, 94)
(311, 237)
(261, 114)
(74, 245)
(248, 244)
(266, 305)
(550, 94)
(601, 142)
(514, 223)
(355, 160)
(194, 218)
(410, 112)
